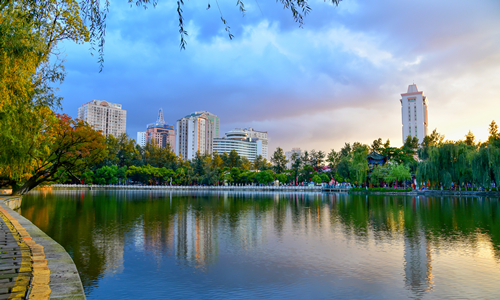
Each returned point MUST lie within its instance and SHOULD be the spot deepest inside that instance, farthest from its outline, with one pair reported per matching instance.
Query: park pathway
(23, 267)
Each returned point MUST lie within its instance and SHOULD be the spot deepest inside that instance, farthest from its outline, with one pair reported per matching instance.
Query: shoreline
(249, 188)
(54, 273)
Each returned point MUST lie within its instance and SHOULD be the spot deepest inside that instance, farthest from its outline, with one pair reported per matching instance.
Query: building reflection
(417, 263)
(417, 253)
(194, 228)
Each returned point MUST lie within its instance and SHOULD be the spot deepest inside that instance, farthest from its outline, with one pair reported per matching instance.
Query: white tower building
(414, 113)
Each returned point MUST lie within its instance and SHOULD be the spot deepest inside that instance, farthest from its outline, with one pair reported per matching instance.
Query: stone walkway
(23, 268)
(15, 262)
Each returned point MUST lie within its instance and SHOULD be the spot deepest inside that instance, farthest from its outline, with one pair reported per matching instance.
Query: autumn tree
(67, 148)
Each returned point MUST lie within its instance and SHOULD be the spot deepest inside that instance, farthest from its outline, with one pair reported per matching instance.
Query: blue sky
(337, 79)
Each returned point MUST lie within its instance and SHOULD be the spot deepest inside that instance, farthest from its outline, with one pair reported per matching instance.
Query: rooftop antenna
(160, 116)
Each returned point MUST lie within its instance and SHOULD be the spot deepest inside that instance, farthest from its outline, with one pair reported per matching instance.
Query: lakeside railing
(202, 187)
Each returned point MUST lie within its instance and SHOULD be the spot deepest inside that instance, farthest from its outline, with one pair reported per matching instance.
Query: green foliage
(88, 177)
(317, 159)
(282, 178)
(316, 179)
(324, 177)
(296, 163)
(359, 164)
(398, 173)
(264, 177)
(378, 175)
(279, 160)
(106, 175)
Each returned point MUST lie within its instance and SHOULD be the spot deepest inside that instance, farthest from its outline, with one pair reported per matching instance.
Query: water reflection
(383, 246)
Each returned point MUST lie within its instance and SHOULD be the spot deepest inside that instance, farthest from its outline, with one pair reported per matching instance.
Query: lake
(231, 245)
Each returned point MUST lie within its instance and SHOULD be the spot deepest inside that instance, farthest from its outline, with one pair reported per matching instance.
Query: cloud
(337, 79)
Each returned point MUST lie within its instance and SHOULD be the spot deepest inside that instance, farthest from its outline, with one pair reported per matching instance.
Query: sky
(336, 79)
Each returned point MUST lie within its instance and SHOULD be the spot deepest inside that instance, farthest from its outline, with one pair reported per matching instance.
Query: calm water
(163, 245)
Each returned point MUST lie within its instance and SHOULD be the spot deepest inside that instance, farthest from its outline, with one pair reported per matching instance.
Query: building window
(409, 113)
(416, 132)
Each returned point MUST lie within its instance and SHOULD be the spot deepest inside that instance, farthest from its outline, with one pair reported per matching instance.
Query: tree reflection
(94, 227)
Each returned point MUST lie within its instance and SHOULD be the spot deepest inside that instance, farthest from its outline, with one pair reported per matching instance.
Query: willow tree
(398, 172)
(359, 163)
(29, 68)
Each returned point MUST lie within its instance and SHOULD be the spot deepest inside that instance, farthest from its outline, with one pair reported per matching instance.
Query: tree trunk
(28, 186)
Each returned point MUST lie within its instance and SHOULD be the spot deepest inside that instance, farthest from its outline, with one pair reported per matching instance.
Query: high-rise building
(262, 137)
(414, 113)
(239, 141)
(289, 154)
(215, 121)
(194, 133)
(108, 117)
(160, 133)
(141, 138)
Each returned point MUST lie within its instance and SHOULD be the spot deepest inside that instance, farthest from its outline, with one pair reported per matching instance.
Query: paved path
(32, 265)
(15, 262)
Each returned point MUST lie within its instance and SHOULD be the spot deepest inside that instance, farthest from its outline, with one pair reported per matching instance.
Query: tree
(279, 160)
(433, 139)
(333, 159)
(245, 164)
(316, 179)
(470, 139)
(259, 163)
(67, 148)
(378, 174)
(411, 143)
(282, 178)
(88, 177)
(317, 159)
(398, 173)
(359, 163)
(121, 151)
(296, 163)
(29, 69)
(346, 150)
(324, 177)
(306, 159)
(264, 177)
(377, 144)
(493, 130)
(306, 173)
(232, 159)
(106, 175)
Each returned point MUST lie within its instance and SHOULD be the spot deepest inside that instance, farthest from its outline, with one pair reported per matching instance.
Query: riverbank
(282, 188)
(51, 271)
(431, 193)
